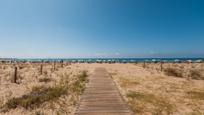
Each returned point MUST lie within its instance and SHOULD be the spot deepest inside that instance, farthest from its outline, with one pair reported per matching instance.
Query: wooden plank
(101, 97)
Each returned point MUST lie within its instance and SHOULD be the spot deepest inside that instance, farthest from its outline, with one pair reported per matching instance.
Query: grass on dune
(139, 102)
(36, 97)
(128, 82)
(173, 72)
(41, 94)
(195, 74)
(199, 95)
(79, 85)
(45, 79)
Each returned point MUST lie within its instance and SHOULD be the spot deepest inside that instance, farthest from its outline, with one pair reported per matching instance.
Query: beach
(102, 57)
(177, 88)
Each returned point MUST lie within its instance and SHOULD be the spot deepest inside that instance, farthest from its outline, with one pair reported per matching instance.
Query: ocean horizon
(106, 59)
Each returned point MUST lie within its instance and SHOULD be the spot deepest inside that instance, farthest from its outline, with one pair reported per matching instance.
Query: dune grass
(79, 86)
(140, 102)
(45, 79)
(196, 74)
(36, 97)
(173, 72)
(198, 95)
(124, 82)
(41, 94)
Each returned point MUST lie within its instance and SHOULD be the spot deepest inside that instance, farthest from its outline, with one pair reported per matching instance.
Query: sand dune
(178, 90)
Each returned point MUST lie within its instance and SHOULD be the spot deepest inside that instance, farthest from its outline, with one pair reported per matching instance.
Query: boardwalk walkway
(101, 97)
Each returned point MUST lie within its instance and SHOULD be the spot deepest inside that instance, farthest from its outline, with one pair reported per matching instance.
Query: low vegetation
(196, 74)
(36, 97)
(173, 72)
(42, 94)
(142, 102)
(199, 95)
(45, 79)
(79, 86)
(189, 73)
(124, 82)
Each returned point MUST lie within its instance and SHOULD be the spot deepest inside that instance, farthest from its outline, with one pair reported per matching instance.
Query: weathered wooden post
(62, 62)
(161, 65)
(144, 64)
(15, 74)
(169, 65)
(41, 68)
(54, 65)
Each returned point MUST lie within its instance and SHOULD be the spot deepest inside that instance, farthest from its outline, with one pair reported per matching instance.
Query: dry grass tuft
(196, 74)
(128, 82)
(41, 94)
(39, 113)
(173, 72)
(36, 97)
(191, 73)
(199, 95)
(139, 103)
(45, 79)
(79, 85)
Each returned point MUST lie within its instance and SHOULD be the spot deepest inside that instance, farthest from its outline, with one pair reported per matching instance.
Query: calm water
(116, 59)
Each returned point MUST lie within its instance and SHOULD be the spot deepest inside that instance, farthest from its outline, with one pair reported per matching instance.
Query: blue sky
(101, 28)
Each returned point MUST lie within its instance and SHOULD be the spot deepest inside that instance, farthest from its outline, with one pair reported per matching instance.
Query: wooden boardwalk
(101, 97)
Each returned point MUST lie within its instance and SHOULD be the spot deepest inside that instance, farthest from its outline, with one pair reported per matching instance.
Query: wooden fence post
(144, 64)
(169, 64)
(62, 62)
(54, 65)
(15, 74)
(41, 69)
(161, 66)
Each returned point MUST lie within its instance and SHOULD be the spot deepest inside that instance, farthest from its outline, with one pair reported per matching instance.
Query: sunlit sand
(176, 89)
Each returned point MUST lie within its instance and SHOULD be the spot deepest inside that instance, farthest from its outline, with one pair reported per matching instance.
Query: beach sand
(178, 89)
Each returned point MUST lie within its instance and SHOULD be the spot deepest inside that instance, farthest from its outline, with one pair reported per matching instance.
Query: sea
(122, 60)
